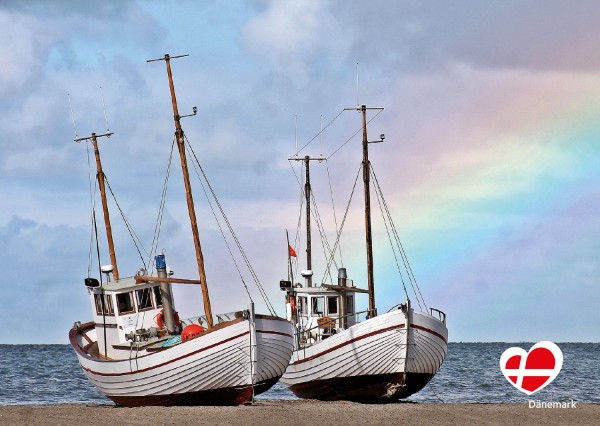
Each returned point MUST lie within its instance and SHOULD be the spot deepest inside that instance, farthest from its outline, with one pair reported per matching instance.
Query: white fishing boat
(336, 356)
(137, 352)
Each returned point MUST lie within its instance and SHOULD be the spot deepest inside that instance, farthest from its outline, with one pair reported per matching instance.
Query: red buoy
(190, 331)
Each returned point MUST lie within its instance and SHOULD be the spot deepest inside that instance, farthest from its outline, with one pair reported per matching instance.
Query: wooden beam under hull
(227, 396)
(368, 388)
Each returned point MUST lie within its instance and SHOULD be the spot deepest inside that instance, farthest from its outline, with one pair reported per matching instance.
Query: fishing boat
(386, 356)
(137, 351)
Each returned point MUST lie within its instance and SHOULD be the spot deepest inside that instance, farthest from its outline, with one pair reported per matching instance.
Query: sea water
(50, 374)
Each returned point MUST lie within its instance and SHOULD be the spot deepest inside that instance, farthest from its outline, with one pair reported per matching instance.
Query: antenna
(104, 109)
(72, 116)
(357, 85)
(321, 136)
(296, 132)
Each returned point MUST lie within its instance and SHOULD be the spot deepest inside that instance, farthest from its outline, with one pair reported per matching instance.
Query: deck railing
(303, 336)
(439, 314)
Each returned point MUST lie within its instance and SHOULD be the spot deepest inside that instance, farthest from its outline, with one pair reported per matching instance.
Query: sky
(490, 166)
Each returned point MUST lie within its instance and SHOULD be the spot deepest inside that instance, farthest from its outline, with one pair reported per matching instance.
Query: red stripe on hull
(164, 363)
(383, 330)
(430, 331)
(347, 342)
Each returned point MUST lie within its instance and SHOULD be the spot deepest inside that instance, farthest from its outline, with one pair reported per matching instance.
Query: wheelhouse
(121, 308)
(320, 312)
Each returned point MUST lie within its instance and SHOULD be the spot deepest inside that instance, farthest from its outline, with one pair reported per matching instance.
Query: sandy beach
(304, 412)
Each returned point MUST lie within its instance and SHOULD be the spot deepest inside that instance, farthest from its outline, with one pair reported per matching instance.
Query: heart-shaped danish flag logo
(532, 371)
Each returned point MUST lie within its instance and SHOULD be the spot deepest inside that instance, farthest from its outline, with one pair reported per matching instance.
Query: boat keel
(372, 388)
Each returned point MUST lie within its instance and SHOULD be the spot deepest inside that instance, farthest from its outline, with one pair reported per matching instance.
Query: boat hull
(371, 360)
(216, 368)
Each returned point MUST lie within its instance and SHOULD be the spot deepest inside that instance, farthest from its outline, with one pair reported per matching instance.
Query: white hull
(223, 366)
(371, 360)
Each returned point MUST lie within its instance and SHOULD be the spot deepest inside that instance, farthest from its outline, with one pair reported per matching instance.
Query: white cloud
(291, 34)
(24, 41)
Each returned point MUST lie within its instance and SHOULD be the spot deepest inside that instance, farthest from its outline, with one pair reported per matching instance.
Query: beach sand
(303, 412)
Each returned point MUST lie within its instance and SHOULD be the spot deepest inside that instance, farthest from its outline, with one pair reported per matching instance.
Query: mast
(307, 194)
(368, 234)
(179, 136)
(366, 166)
(308, 240)
(101, 183)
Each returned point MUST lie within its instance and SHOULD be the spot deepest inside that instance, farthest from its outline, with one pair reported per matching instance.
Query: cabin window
(125, 303)
(144, 299)
(302, 305)
(332, 305)
(350, 304)
(317, 305)
(157, 296)
(108, 309)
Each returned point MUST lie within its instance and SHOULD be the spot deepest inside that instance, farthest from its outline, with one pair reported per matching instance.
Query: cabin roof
(127, 283)
(314, 290)
(326, 291)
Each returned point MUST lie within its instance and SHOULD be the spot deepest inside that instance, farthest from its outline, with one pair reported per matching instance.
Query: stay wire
(161, 208)
(352, 137)
(337, 240)
(405, 261)
(132, 233)
(298, 236)
(232, 232)
(324, 241)
(221, 230)
(319, 133)
(408, 267)
(317, 217)
(333, 207)
(385, 222)
(92, 208)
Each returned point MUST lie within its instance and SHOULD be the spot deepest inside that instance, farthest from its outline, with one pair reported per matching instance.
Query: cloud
(292, 35)
(25, 41)
(490, 123)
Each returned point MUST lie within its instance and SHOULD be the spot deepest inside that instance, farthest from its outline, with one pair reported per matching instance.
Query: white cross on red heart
(532, 371)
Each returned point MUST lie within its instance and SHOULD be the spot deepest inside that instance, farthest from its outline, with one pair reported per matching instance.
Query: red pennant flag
(292, 251)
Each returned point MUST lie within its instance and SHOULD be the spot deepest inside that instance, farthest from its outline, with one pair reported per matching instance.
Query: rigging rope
(222, 232)
(231, 231)
(317, 216)
(92, 209)
(298, 236)
(333, 207)
(161, 208)
(385, 222)
(319, 133)
(132, 233)
(322, 234)
(351, 137)
(407, 266)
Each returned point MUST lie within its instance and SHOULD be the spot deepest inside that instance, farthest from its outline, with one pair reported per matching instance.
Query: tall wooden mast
(179, 136)
(102, 186)
(366, 166)
(308, 238)
(307, 194)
